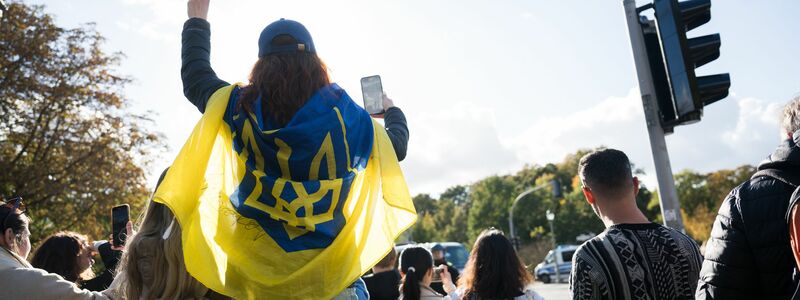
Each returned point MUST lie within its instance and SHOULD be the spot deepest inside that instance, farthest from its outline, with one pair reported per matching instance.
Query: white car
(561, 256)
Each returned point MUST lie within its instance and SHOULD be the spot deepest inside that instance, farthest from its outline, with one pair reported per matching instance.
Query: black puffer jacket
(748, 255)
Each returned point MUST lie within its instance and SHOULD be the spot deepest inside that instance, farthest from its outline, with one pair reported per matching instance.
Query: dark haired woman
(416, 266)
(69, 254)
(494, 271)
(65, 253)
(19, 280)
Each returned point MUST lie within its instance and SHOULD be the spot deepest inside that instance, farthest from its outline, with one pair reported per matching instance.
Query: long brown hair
(285, 81)
(494, 271)
(59, 254)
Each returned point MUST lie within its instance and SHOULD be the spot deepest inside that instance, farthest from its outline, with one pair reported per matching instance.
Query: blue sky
(487, 86)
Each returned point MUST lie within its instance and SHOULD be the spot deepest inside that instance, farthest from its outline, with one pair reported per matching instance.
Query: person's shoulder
(530, 294)
(676, 233)
(760, 186)
(594, 242)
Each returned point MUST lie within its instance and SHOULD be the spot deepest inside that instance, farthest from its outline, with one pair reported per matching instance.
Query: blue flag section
(298, 177)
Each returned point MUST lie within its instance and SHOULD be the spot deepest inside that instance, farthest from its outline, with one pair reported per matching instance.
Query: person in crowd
(286, 76)
(281, 81)
(633, 258)
(748, 255)
(416, 267)
(19, 279)
(153, 263)
(384, 281)
(494, 271)
(65, 253)
(152, 266)
(437, 250)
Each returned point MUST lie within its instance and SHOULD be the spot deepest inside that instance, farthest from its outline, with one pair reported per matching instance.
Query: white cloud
(456, 147)
(616, 122)
(754, 116)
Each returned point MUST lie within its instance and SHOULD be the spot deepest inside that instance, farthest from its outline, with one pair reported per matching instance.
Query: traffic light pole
(668, 196)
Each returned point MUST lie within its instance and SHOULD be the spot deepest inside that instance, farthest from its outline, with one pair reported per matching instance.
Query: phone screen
(120, 215)
(372, 90)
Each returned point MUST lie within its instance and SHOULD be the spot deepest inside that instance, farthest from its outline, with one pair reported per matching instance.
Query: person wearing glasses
(19, 279)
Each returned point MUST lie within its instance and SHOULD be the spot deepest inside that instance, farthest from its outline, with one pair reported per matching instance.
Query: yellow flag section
(232, 254)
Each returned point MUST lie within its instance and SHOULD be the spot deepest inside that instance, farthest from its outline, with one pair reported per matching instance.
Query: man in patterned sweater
(633, 258)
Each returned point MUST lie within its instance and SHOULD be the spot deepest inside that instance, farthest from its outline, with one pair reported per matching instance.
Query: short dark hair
(13, 219)
(607, 172)
(791, 116)
(388, 260)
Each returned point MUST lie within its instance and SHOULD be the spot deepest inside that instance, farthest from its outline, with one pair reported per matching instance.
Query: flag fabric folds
(297, 212)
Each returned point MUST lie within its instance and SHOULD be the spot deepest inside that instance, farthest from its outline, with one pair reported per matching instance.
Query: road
(552, 291)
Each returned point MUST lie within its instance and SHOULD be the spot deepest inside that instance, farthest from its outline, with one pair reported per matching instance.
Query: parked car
(561, 256)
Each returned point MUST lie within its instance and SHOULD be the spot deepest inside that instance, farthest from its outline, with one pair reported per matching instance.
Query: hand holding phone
(437, 273)
(120, 217)
(372, 91)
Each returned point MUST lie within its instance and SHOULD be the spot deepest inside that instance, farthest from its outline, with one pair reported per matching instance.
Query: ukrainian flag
(298, 212)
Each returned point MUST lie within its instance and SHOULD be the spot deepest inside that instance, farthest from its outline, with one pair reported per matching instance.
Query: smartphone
(120, 215)
(372, 91)
(437, 274)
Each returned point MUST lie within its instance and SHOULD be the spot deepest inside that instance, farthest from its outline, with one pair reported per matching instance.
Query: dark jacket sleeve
(728, 268)
(110, 259)
(199, 80)
(397, 128)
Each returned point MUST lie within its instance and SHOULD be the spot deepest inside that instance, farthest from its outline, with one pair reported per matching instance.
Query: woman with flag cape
(286, 189)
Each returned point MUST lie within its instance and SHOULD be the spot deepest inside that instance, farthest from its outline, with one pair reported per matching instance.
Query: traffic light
(666, 107)
(556, 189)
(682, 55)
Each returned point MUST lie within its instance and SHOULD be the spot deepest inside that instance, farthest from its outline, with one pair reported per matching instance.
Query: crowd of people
(749, 255)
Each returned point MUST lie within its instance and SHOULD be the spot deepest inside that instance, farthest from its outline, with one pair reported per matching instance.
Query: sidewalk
(552, 291)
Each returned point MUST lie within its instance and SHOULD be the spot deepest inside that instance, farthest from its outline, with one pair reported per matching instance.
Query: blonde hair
(153, 265)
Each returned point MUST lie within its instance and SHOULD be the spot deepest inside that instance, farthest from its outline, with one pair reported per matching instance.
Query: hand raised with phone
(387, 103)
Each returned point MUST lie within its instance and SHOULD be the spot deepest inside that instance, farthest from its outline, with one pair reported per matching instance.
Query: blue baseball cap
(285, 27)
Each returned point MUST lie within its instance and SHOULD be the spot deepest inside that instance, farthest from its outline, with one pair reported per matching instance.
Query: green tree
(67, 144)
(701, 195)
(490, 200)
(425, 204)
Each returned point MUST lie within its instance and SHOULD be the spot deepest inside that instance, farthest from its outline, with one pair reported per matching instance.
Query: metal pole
(512, 233)
(557, 254)
(670, 208)
(511, 224)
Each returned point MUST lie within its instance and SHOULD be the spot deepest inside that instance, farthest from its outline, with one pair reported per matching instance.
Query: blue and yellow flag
(298, 212)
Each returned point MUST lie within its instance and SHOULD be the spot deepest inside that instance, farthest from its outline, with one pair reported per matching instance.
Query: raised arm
(396, 127)
(199, 79)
